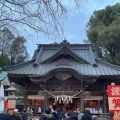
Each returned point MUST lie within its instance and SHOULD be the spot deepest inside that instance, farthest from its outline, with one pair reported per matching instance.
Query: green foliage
(12, 49)
(4, 60)
(104, 31)
(21, 89)
(18, 51)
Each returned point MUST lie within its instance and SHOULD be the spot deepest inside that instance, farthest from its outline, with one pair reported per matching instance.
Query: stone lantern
(11, 98)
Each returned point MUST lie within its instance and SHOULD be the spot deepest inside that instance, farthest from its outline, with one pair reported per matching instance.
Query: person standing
(25, 115)
(48, 115)
(73, 114)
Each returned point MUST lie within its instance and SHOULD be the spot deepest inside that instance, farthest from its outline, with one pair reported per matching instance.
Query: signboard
(114, 100)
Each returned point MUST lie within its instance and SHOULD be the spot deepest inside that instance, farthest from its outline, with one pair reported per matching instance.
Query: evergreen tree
(12, 49)
(103, 29)
(18, 51)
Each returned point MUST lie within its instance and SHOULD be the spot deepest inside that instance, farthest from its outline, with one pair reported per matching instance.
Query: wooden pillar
(25, 100)
(104, 98)
(25, 96)
(81, 97)
(45, 99)
(81, 102)
(104, 103)
(98, 103)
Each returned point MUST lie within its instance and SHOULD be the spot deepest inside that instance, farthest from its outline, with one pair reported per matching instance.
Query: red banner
(114, 100)
(113, 91)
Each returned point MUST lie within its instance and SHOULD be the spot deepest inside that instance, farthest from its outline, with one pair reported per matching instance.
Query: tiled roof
(86, 52)
(85, 69)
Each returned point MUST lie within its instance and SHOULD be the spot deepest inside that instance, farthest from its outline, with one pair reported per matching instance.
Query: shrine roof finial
(64, 43)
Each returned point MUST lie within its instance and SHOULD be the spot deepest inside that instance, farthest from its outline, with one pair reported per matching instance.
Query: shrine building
(65, 75)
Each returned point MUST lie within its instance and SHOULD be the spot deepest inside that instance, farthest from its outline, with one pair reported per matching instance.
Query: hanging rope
(49, 93)
(77, 93)
(71, 96)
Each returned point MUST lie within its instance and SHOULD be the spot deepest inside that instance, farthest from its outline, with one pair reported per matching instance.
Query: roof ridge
(59, 51)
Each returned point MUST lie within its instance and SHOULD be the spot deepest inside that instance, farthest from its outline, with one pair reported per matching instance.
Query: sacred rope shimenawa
(64, 98)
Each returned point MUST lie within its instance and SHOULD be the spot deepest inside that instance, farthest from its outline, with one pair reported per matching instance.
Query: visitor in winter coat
(47, 115)
(73, 114)
(62, 113)
(87, 117)
(25, 115)
(80, 116)
(8, 117)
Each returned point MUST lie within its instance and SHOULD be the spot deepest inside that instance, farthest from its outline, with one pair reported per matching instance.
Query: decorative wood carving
(65, 43)
(63, 87)
(62, 76)
(63, 61)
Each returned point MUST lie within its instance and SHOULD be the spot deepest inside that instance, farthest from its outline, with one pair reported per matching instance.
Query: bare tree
(6, 38)
(43, 16)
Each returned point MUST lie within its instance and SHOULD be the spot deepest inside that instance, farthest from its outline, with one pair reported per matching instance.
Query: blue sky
(75, 25)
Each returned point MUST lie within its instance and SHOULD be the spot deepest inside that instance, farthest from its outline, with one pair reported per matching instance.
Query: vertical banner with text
(114, 100)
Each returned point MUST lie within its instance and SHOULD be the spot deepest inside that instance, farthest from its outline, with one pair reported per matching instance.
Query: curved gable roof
(46, 61)
(64, 48)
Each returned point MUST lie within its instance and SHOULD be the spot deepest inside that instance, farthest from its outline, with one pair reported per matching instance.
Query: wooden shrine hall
(65, 75)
